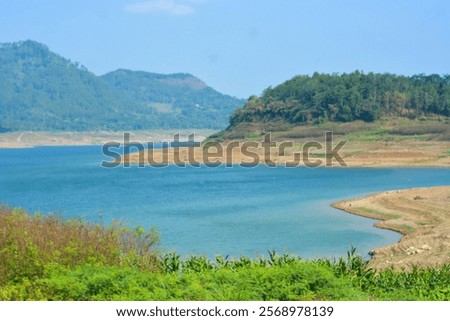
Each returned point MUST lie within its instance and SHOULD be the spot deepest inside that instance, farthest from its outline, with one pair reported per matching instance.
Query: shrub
(29, 243)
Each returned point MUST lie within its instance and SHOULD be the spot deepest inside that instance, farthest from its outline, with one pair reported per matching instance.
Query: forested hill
(180, 98)
(348, 97)
(40, 90)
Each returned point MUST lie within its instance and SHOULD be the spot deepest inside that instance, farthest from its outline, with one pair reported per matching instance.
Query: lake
(208, 211)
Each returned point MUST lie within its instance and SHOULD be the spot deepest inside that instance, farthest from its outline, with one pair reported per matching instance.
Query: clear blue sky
(239, 47)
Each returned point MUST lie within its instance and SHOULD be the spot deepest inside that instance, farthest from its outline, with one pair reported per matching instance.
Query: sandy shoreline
(407, 153)
(28, 139)
(422, 215)
(355, 154)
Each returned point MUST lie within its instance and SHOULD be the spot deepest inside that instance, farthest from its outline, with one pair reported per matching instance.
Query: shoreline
(410, 153)
(29, 139)
(312, 152)
(425, 236)
(421, 215)
(370, 155)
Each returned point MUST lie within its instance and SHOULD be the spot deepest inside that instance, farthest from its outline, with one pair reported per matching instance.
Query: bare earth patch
(27, 139)
(408, 153)
(422, 215)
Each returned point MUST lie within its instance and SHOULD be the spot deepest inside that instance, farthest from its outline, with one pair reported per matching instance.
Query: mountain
(347, 97)
(178, 99)
(40, 90)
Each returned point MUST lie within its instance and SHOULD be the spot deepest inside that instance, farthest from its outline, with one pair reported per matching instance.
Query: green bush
(296, 281)
(28, 244)
(293, 280)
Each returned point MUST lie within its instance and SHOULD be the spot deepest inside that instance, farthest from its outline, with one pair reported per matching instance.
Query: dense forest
(348, 97)
(40, 90)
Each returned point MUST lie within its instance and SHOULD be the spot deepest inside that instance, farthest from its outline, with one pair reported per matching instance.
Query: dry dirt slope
(422, 215)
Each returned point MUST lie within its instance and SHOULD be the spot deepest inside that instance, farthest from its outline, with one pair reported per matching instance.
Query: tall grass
(29, 244)
(420, 129)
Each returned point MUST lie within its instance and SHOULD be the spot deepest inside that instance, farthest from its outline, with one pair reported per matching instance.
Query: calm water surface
(228, 211)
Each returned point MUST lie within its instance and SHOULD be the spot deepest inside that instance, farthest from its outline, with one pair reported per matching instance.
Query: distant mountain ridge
(40, 90)
(181, 96)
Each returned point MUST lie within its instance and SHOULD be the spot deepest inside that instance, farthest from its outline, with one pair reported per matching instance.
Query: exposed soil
(408, 153)
(28, 139)
(422, 215)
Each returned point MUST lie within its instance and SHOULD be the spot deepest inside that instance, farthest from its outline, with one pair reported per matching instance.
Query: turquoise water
(229, 211)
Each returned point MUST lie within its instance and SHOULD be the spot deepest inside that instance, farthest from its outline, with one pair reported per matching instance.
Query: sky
(238, 47)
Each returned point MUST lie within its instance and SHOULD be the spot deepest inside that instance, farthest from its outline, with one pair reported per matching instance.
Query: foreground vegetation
(47, 258)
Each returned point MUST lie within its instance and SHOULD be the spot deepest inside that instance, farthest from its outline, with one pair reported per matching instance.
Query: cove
(208, 211)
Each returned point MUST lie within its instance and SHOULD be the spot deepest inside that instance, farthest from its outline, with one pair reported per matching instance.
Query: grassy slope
(385, 129)
(389, 142)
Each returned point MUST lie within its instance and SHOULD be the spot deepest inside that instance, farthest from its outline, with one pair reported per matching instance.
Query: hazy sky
(239, 47)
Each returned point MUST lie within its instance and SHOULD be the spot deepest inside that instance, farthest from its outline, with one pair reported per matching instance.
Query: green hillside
(40, 90)
(178, 99)
(348, 97)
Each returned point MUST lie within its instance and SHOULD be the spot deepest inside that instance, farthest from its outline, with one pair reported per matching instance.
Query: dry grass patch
(28, 244)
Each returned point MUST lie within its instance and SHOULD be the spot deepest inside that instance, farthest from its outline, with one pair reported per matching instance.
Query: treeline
(348, 97)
